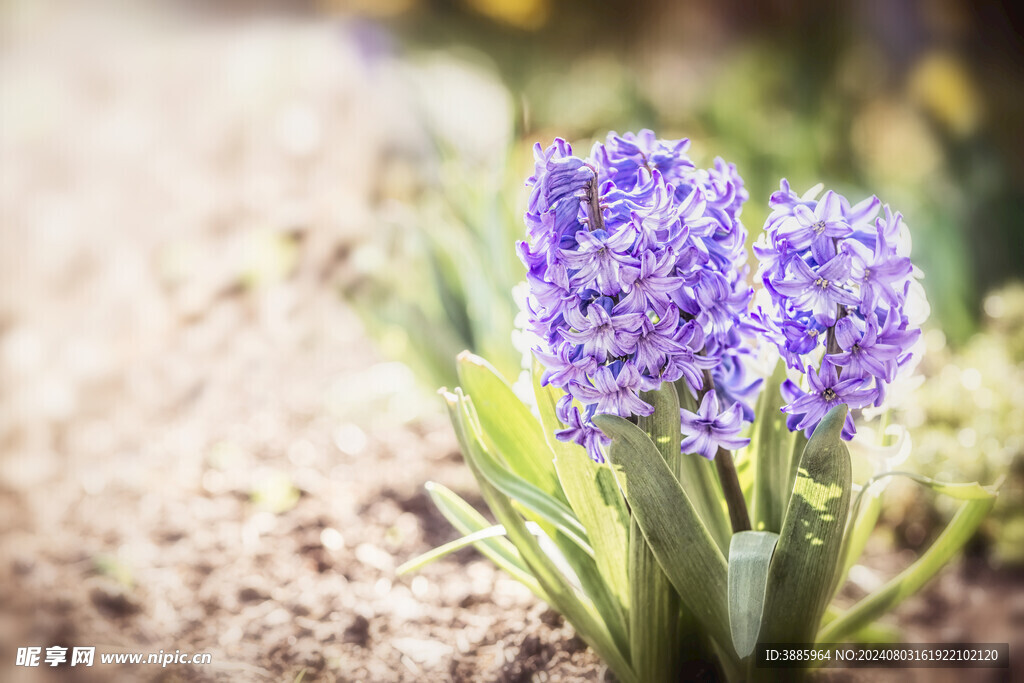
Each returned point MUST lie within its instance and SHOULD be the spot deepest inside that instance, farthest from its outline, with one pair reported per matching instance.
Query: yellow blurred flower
(940, 84)
(525, 14)
(894, 144)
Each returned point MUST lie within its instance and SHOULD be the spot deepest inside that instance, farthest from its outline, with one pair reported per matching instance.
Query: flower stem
(594, 200)
(733, 493)
(738, 515)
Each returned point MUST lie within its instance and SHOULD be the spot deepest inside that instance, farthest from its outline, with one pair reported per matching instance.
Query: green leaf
(697, 476)
(773, 449)
(802, 570)
(507, 423)
(799, 446)
(549, 509)
(750, 554)
(654, 622)
(577, 609)
(862, 522)
(596, 588)
(595, 498)
(653, 629)
(673, 530)
(978, 502)
(467, 520)
(450, 547)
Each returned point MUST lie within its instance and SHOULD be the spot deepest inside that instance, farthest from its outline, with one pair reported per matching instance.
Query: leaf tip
(832, 424)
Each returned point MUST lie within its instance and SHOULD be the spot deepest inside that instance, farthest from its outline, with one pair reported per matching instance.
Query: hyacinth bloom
(636, 271)
(839, 278)
(820, 291)
(806, 408)
(710, 429)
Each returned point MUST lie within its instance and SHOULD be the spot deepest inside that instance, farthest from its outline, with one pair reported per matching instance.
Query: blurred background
(242, 242)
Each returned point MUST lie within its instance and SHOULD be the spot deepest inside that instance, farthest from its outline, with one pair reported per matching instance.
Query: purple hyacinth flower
(896, 331)
(566, 366)
(802, 336)
(603, 333)
(863, 355)
(826, 392)
(650, 290)
(614, 394)
(708, 429)
(687, 362)
(581, 432)
(603, 260)
(656, 341)
(818, 291)
(818, 227)
(637, 274)
(879, 272)
(717, 300)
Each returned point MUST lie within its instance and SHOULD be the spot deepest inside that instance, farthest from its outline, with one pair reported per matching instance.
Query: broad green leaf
(578, 609)
(750, 555)
(745, 472)
(467, 520)
(773, 448)
(654, 622)
(802, 570)
(549, 509)
(680, 541)
(698, 478)
(978, 502)
(596, 588)
(595, 498)
(799, 445)
(450, 547)
(516, 434)
(653, 629)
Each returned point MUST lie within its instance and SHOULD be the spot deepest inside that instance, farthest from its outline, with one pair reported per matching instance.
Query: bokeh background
(242, 242)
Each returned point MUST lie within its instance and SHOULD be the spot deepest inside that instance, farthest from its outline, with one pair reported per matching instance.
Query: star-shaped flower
(709, 429)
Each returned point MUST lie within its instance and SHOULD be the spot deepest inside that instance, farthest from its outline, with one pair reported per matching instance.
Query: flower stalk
(739, 518)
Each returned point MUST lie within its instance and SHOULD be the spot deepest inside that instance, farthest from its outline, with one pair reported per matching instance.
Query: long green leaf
(802, 570)
(576, 608)
(506, 422)
(450, 547)
(699, 479)
(653, 629)
(550, 509)
(750, 555)
(799, 446)
(978, 502)
(595, 498)
(500, 551)
(654, 621)
(673, 530)
(863, 519)
(773, 448)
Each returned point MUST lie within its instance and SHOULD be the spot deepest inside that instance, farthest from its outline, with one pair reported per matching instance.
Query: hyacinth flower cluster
(641, 318)
(637, 275)
(840, 278)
